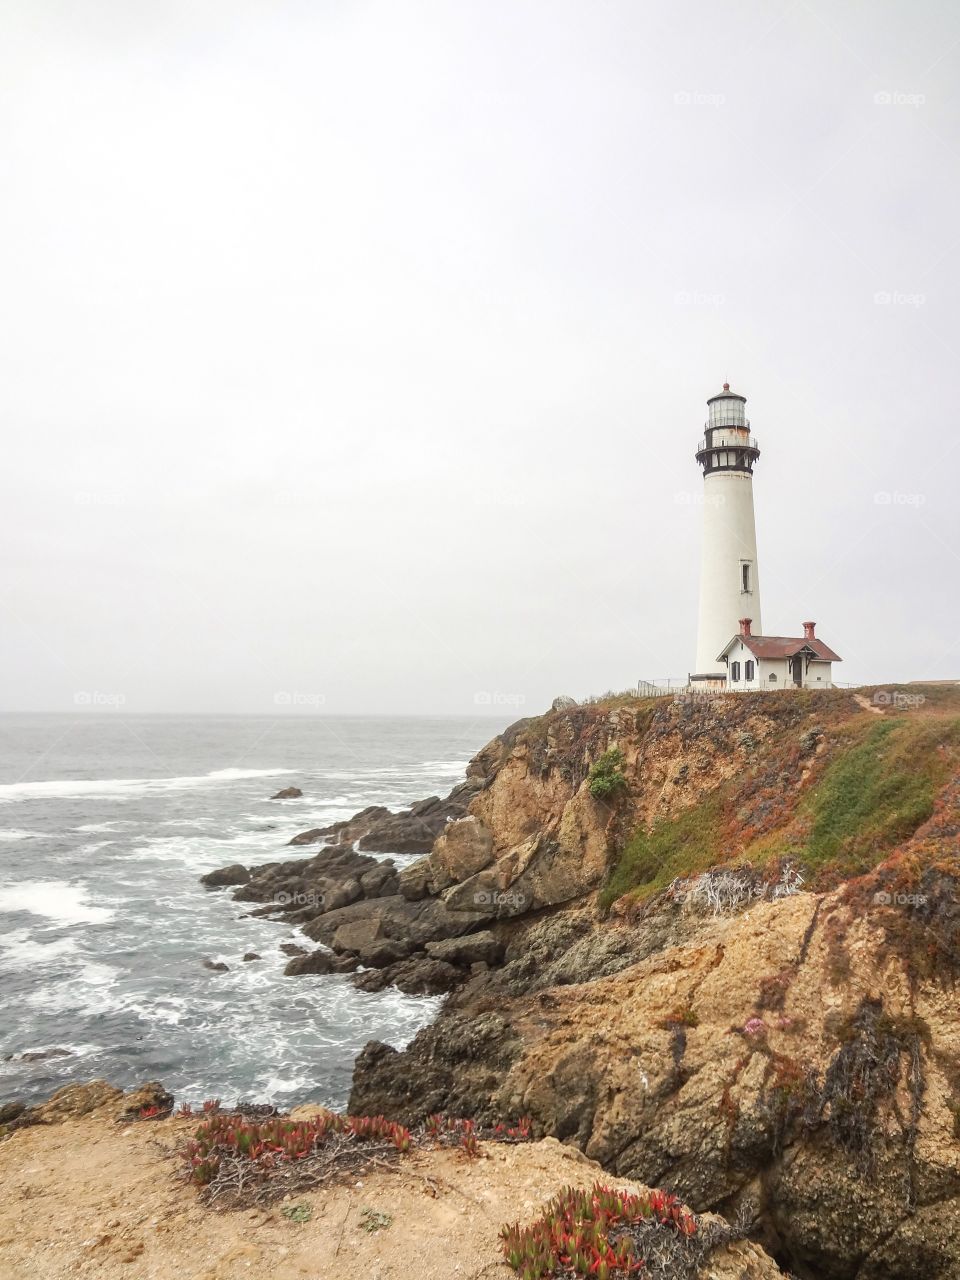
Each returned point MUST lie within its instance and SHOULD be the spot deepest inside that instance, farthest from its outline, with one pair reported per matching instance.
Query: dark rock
(380, 881)
(355, 935)
(146, 1097)
(411, 831)
(453, 1066)
(288, 793)
(417, 976)
(292, 949)
(342, 895)
(415, 881)
(416, 922)
(40, 1055)
(347, 831)
(383, 952)
(251, 955)
(215, 966)
(320, 961)
(226, 876)
(11, 1111)
(470, 949)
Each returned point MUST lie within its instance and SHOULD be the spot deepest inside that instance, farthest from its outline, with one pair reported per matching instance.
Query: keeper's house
(777, 662)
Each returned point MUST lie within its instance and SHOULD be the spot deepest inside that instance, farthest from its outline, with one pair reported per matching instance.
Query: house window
(773, 677)
(748, 670)
(735, 672)
(745, 577)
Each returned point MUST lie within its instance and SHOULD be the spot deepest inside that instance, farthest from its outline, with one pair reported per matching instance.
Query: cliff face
(733, 976)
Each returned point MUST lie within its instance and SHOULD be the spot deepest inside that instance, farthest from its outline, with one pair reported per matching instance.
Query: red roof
(785, 647)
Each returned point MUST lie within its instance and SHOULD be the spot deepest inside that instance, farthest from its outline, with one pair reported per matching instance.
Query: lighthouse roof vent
(727, 394)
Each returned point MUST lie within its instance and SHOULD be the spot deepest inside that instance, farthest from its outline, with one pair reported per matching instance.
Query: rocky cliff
(712, 942)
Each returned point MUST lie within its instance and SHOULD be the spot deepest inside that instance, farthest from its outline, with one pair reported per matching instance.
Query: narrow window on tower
(745, 575)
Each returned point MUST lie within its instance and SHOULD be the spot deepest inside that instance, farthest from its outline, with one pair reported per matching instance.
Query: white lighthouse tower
(729, 582)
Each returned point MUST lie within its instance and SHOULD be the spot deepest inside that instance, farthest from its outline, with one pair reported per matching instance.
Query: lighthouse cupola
(729, 579)
(727, 443)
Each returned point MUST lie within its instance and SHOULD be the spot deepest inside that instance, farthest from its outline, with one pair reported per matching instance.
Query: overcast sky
(353, 356)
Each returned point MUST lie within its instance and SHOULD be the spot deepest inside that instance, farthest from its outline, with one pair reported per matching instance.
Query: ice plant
(280, 1140)
(596, 1233)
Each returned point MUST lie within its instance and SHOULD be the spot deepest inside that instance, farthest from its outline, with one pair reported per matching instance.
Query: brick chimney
(745, 624)
(808, 631)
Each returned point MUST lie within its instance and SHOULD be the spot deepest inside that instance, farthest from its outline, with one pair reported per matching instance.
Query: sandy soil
(92, 1197)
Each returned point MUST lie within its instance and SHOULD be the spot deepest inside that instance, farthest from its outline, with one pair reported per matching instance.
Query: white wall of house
(817, 675)
(740, 653)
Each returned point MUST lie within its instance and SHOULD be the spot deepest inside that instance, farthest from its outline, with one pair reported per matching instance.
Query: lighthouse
(729, 580)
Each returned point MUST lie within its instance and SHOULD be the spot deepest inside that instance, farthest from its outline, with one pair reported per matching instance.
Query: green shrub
(606, 776)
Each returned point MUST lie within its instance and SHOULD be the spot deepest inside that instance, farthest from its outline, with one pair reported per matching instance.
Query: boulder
(469, 949)
(292, 949)
(226, 876)
(250, 955)
(414, 882)
(411, 831)
(215, 966)
(355, 935)
(342, 896)
(418, 976)
(40, 1055)
(464, 848)
(563, 703)
(415, 922)
(383, 952)
(320, 961)
(75, 1100)
(288, 793)
(380, 881)
(347, 831)
(146, 1097)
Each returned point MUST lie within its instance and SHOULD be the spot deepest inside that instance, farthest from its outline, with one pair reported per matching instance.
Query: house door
(798, 670)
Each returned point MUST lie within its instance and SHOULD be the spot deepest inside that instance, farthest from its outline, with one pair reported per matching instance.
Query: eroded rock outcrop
(770, 1041)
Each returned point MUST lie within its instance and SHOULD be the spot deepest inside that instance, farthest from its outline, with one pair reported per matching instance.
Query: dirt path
(867, 705)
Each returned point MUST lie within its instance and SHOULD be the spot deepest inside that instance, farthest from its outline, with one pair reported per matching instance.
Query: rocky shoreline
(763, 1047)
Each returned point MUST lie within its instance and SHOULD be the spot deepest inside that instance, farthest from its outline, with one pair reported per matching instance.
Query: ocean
(106, 824)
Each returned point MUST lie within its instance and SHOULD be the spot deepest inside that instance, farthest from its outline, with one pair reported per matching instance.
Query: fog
(353, 357)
